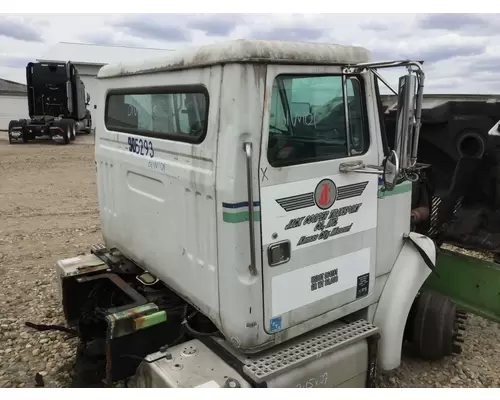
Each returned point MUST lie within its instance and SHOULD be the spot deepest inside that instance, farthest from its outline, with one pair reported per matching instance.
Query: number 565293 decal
(141, 146)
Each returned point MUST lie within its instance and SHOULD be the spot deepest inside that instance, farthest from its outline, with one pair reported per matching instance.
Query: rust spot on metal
(86, 268)
(109, 366)
(139, 322)
(266, 99)
(260, 71)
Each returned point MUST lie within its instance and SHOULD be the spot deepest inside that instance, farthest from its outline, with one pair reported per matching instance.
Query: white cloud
(461, 52)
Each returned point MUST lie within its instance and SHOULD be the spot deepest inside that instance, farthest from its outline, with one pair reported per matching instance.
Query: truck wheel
(64, 124)
(12, 124)
(72, 127)
(436, 327)
(66, 134)
(24, 124)
(88, 127)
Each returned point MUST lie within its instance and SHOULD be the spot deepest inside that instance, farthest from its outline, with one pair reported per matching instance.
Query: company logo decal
(350, 191)
(297, 202)
(324, 196)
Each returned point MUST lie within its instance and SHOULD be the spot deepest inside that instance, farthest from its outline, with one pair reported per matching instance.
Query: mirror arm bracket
(390, 167)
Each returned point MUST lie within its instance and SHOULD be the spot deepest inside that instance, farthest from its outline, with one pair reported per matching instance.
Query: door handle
(352, 166)
(360, 167)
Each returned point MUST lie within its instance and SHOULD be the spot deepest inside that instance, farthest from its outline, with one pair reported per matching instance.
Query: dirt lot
(48, 211)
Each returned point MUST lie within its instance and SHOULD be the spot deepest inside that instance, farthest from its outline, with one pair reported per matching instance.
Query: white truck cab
(253, 182)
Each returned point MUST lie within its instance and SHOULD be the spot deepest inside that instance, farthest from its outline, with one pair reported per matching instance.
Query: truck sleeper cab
(226, 172)
(57, 104)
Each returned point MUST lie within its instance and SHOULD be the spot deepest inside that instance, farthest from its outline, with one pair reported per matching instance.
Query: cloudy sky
(461, 51)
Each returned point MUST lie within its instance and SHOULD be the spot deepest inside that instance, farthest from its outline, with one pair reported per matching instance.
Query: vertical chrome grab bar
(247, 147)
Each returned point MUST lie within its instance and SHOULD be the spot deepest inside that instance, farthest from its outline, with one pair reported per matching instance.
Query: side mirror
(88, 98)
(405, 119)
(401, 164)
(391, 171)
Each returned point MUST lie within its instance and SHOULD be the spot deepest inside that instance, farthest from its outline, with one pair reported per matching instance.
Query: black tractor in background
(57, 104)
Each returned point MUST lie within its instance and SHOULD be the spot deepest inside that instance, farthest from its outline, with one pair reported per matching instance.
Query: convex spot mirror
(391, 171)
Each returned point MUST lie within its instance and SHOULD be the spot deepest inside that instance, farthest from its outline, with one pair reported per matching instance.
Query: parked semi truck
(57, 104)
(258, 223)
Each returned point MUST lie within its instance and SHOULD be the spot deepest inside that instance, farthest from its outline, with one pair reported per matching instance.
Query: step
(97, 248)
(290, 356)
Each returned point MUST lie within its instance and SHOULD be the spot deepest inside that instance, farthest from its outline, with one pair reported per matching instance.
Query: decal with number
(141, 146)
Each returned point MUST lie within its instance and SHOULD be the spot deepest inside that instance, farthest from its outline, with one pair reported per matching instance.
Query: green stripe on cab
(237, 217)
(404, 187)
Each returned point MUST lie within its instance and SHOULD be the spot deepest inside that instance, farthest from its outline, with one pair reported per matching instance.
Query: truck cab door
(318, 224)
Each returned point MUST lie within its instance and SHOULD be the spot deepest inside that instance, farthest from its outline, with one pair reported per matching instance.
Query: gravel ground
(49, 211)
(477, 367)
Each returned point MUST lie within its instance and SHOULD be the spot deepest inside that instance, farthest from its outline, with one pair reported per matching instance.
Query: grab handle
(247, 147)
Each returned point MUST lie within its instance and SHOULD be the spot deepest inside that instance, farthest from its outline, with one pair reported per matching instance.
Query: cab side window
(170, 114)
(307, 120)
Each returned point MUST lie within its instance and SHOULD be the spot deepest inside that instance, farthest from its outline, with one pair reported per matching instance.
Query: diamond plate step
(96, 248)
(302, 352)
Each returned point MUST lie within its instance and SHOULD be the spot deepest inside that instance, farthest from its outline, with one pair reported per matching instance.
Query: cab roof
(242, 51)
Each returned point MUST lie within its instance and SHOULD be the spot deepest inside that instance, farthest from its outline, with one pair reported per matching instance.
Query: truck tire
(24, 124)
(12, 124)
(88, 125)
(73, 130)
(21, 123)
(436, 327)
(71, 125)
(65, 125)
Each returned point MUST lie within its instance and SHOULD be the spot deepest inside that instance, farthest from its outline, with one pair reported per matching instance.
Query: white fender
(405, 280)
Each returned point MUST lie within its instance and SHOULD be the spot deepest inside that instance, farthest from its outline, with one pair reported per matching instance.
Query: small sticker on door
(324, 279)
(363, 285)
(275, 324)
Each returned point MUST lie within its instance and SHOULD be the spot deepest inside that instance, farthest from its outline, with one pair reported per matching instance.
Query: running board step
(275, 363)
(96, 248)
